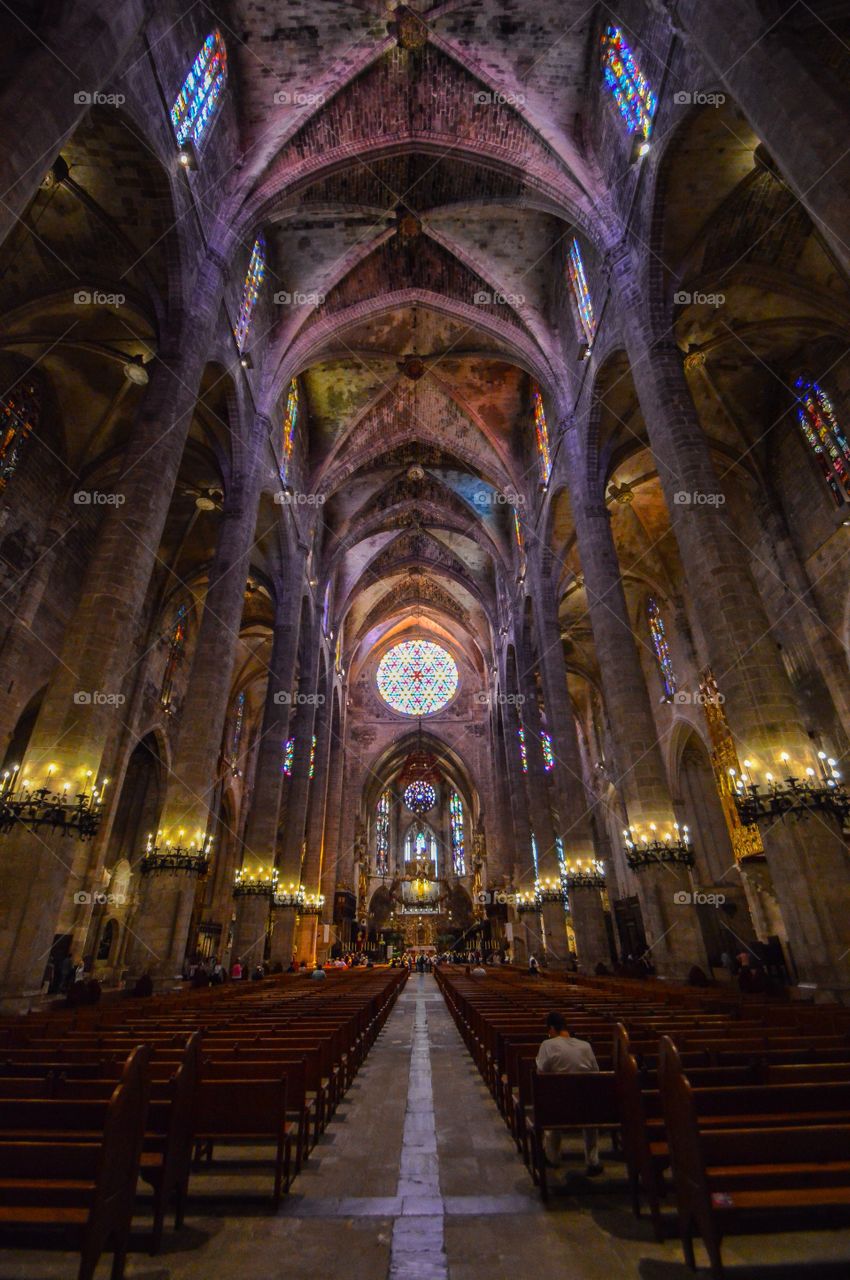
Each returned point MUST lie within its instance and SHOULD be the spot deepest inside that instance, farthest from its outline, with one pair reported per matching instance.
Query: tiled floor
(417, 1179)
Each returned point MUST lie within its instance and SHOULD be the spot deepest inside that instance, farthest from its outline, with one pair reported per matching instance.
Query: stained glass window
(19, 414)
(419, 796)
(417, 677)
(251, 290)
(176, 649)
(534, 853)
(661, 647)
(523, 749)
(559, 850)
(200, 97)
(581, 293)
(628, 85)
(458, 848)
(290, 421)
(288, 757)
(548, 754)
(542, 433)
(236, 737)
(421, 845)
(826, 439)
(311, 768)
(382, 834)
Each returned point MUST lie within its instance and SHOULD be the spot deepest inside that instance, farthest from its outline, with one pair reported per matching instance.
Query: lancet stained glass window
(548, 754)
(661, 647)
(288, 757)
(382, 834)
(559, 850)
(290, 421)
(19, 414)
(176, 649)
(236, 737)
(251, 290)
(417, 677)
(534, 853)
(311, 768)
(523, 749)
(581, 292)
(826, 439)
(199, 99)
(628, 85)
(542, 433)
(421, 845)
(458, 847)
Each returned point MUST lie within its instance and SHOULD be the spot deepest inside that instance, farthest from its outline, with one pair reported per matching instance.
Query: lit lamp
(257, 886)
(76, 812)
(170, 858)
(653, 848)
(801, 793)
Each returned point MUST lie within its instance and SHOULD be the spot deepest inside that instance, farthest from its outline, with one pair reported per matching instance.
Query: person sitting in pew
(564, 1054)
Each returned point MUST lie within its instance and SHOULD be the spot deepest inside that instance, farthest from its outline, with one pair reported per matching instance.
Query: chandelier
(650, 850)
(418, 777)
(193, 858)
(79, 813)
(794, 796)
(259, 886)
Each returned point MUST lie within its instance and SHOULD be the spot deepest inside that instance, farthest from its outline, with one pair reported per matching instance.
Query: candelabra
(259, 886)
(794, 796)
(650, 850)
(578, 876)
(550, 891)
(293, 896)
(73, 812)
(526, 902)
(313, 904)
(192, 859)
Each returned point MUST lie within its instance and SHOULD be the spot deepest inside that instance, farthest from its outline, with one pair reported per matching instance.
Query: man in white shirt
(563, 1054)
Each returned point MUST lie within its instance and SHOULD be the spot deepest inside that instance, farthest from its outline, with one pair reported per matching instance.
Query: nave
(416, 1178)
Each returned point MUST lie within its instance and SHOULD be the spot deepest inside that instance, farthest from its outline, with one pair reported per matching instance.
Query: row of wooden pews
(741, 1110)
(92, 1102)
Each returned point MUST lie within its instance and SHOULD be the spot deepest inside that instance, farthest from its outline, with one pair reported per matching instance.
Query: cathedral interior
(424, 520)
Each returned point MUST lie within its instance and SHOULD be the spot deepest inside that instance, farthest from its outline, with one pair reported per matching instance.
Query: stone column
(311, 878)
(291, 843)
(528, 926)
(791, 109)
(99, 646)
(738, 645)
(332, 859)
(51, 91)
(249, 931)
(167, 900)
(672, 929)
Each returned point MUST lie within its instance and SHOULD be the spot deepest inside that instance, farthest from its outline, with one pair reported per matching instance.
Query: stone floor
(416, 1178)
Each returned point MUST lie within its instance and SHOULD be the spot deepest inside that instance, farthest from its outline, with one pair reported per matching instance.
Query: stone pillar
(166, 906)
(528, 926)
(74, 59)
(332, 858)
(672, 929)
(791, 109)
(98, 649)
(588, 920)
(290, 845)
(249, 931)
(311, 878)
(738, 645)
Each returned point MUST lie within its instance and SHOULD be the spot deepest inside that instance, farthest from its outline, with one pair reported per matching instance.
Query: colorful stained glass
(534, 854)
(311, 768)
(661, 647)
(542, 433)
(559, 850)
(523, 749)
(628, 85)
(251, 291)
(326, 609)
(548, 754)
(458, 845)
(176, 649)
(382, 834)
(288, 757)
(581, 292)
(419, 796)
(19, 415)
(290, 421)
(826, 439)
(236, 737)
(199, 99)
(420, 846)
(417, 677)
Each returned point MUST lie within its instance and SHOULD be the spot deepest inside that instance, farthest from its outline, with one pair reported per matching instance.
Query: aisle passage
(416, 1178)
